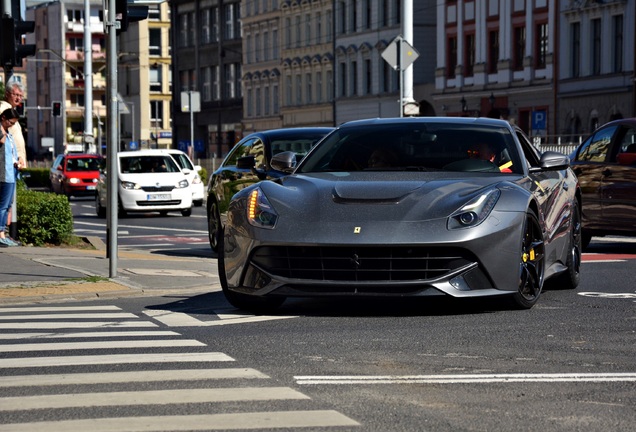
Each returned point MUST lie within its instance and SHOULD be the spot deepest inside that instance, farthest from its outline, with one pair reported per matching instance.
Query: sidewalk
(30, 274)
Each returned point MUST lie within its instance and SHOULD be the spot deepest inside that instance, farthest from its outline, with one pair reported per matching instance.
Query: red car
(75, 174)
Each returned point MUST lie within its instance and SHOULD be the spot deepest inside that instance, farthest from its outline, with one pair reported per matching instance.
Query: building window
(342, 21)
(299, 89)
(330, 85)
(288, 90)
(384, 13)
(192, 29)
(298, 32)
(257, 48)
(258, 102)
(156, 114)
(617, 40)
(229, 12)
(154, 76)
(275, 105)
(519, 41)
(154, 41)
(368, 14)
(216, 83)
(308, 40)
(249, 103)
(77, 99)
(206, 29)
(207, 84)
(354, 78)
(184, 80)
(367, 72)
(183, 30)
(541, 46)
(452, 57)
(596, 46)
(288, 33)
(343, 79)
(328, 29)
(267, 102)
(154, 13)
(215, 24)
(469, 55)
(76, 43)
(319, 87)
(493, 50)
(318, 28)
(575, 50)
(266, 46)
(308, 89)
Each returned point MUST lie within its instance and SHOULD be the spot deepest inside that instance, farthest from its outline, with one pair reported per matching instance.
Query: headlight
(196, 179)
(73, 180)
(260, 212)
(130, 185)
(475, 211)
(182, 184)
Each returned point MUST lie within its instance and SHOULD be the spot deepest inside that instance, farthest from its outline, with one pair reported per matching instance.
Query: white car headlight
(130, 185)
(260, 212)
(73, 180)
(475, 211)
(196, 179)
(182, 184)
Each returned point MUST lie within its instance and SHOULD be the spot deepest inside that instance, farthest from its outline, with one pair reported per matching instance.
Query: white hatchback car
(149, 181)
(192, 172)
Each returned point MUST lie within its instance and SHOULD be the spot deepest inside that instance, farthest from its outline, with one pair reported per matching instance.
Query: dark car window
(83, 164)
(596, 147)
(241, 149)
(299, 145)
(530, 151)
(148, 164)
(182, 160)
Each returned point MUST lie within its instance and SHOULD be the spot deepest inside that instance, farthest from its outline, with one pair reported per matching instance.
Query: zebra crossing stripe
(103, 315)
(59, 308)
(130, 376)
(205, 422)
(150, 397)
(75, 325)
(35, 336)
(27, 362)
(65, 346)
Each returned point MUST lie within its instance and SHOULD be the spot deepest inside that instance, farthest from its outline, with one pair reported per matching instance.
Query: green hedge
(43, 218)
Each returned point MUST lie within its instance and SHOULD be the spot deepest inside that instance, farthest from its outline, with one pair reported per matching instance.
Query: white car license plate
(158, 197)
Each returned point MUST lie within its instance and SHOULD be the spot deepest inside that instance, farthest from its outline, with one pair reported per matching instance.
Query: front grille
(157, 188)
(359, 264)
(158, 203)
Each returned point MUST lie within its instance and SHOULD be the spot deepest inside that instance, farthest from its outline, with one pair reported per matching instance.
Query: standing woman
(8, 171)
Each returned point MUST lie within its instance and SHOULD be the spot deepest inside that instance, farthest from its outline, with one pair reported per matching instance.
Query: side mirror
(552, 161)
(285, 161)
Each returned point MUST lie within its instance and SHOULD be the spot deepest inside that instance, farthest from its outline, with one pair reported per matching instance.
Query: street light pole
(88, 77)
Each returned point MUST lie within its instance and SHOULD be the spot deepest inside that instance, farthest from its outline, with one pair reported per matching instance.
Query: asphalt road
(195, 363)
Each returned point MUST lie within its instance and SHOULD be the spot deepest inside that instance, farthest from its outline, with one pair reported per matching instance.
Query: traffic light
(13, 50)
(127, 12)
(57, 109)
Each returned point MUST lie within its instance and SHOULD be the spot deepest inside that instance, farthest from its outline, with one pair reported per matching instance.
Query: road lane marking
(149, 397)
(203, 422)
(33, 336)
(69, 315)
(129, 377)
(59, 308)
(27, 362)
(180, 319)
(467, 378)
(66, 346)
(76, 325)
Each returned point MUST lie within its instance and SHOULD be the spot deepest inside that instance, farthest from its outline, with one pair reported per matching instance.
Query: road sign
(391, 53)
(190, 101)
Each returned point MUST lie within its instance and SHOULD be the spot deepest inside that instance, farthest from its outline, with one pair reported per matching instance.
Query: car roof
(283, 132)
(82, 155)
(151, 152)
(484, 121)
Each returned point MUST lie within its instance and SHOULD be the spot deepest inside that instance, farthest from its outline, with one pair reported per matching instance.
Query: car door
(56, 174)
(618, 180)
(589, 164)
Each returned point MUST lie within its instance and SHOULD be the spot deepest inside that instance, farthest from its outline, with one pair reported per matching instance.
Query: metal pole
(111, 143)
(407, 32)
(88, 77)
(191, 121)
(401, 74)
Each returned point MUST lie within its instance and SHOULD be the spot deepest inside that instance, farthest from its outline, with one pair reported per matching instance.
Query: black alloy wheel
(531, 264)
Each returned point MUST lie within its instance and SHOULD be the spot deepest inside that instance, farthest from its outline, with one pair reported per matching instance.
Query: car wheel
(99, 209)
(214, 225)
(120, 210)
(186, 212)
(531, 265)
(258, 305)
(571, 277)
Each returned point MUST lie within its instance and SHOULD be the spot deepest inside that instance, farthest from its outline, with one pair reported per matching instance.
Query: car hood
(371, 196)
(164, 178)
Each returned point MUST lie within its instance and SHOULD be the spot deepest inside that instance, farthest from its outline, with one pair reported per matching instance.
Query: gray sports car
(464, 207)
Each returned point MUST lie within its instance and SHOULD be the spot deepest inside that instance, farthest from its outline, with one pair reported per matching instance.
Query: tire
(99, 209)
(257, 305)
(214, 226)
(531, 263)
(571, 277)
(186, 212)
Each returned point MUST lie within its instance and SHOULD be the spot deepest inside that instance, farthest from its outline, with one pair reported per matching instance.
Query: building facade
(597, 78)
(208, 59)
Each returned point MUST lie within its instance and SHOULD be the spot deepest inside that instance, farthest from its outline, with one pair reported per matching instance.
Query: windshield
(147, 164)
(416, 146)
